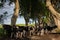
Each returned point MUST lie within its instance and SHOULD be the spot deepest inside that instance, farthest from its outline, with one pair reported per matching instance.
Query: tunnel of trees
(43, 12)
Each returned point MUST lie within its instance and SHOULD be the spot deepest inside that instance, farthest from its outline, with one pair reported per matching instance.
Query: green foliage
(32, 9)
(1, 5)
(2, 31)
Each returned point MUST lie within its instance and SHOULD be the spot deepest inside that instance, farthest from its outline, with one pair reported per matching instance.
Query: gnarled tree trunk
(26, 22)
(54, 12)
(15, 15)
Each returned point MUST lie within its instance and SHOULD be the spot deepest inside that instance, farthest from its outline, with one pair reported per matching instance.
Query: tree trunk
(15, 15)
(52, 22)
(39, 21)
(35, 23)
(54, 12)
(41, 26)
(57, 22)
(26, 21)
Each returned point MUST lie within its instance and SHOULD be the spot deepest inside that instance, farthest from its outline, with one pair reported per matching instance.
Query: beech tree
(16, 13)
(56, 14)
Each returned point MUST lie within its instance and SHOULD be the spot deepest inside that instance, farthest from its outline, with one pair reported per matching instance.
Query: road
(43, 37)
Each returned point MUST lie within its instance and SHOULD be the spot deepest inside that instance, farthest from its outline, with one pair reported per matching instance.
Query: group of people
(24, 31)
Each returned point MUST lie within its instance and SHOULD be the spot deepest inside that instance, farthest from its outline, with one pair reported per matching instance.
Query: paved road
(44, 37)
(47, 37)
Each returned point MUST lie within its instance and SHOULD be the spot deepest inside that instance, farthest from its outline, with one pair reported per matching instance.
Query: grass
(24, 24)
(1, 31)
(1, 26)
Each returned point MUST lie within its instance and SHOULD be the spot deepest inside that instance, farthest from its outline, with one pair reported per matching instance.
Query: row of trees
(44, 11)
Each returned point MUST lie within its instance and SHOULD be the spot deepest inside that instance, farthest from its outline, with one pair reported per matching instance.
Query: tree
(25, 10)
(55, 14)
(16, 11)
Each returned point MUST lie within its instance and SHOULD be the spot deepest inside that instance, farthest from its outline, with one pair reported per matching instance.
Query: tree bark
(52, 22)
(35, 23)
(41, 25)
(54, 12)
(39, 21)
(15, 15)
(51, 8)
(26, 21)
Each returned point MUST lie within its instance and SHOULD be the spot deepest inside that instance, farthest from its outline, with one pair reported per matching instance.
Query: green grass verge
(2, 31)
(24, 24)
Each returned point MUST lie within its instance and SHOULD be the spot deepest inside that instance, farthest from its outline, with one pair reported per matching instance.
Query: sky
(10, 10)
